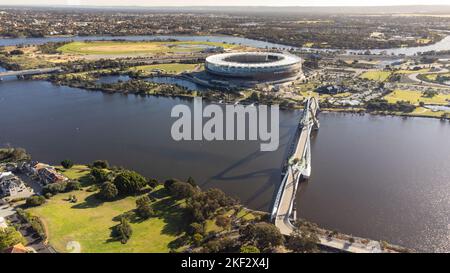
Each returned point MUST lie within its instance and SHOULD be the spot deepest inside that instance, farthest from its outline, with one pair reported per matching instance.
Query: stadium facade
(255, 66)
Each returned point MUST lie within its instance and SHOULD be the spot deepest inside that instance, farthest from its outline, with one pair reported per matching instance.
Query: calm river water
(384, 178)
(444, 44)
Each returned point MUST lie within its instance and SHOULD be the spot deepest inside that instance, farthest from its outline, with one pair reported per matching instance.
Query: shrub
(129, 182)
(100, 164)
(34, 201)
(54, 188)
(67, 163)
(73, 186)
(108, 191)
(197, 239)
(249, 249)
(191, 181)
(180, 190)
(196, 228)
(99, 175)
(152, 183)
(123, 231)
(144, 208)
(223, 221)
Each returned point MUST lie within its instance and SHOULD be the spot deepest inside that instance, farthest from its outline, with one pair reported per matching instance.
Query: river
(384, 178)
(444, 44)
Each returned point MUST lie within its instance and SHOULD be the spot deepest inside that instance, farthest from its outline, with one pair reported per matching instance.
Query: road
(29, 72)
(413, 77)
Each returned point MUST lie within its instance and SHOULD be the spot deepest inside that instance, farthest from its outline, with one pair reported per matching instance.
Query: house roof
(19, 248)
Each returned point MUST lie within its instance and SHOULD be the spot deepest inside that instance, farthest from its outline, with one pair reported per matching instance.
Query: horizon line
(181, 6)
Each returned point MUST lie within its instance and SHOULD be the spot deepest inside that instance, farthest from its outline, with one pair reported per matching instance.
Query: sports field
(137, 47)
(415, 97)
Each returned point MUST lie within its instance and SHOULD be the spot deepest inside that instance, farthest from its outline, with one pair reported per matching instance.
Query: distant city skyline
(224, 2)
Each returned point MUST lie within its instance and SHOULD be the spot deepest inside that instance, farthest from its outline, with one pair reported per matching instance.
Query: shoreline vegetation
(79, 72)
(113, 209)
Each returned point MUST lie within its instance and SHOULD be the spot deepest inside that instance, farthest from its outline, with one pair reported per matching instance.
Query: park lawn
(433, 76)
(245, 214)
(376, 75)
(404, 71)
(415, 97)
(136, 47)
(175, 68)
(423, 41)
(425, 112)
(74, 173)
(89, 222)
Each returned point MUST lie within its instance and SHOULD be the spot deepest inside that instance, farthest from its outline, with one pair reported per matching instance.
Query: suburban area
(87, 164)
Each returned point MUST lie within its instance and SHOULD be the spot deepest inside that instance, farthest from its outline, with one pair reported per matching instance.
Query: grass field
(433, 76)
(376, 75)
(424, 112)
(134, 48)
(174, 68)
(89, 222)
(74, 173)
(415, 97)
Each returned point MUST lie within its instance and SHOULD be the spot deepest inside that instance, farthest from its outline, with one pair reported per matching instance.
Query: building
(255, 66)
(11, 185)
(331, 89)
(18, 248)
(45, 173)
(49, 175)
(3, 223)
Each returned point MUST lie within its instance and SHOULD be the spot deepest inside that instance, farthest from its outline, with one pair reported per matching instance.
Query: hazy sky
(226, 2)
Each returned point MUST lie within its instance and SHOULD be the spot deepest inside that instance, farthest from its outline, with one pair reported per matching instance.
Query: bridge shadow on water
(270, 177)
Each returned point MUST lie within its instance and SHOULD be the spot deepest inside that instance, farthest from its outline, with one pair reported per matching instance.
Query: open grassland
(76, 172)
(425, 112)
(135, 48)
(376, 75)
(433, 76)
(89, 222)
(415, 97)
(173, 68)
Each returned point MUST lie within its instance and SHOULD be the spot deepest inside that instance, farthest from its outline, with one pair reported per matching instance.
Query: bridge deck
(29, 72)
(282, 220)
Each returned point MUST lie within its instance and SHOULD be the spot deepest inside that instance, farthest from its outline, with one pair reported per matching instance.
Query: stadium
(255, 66)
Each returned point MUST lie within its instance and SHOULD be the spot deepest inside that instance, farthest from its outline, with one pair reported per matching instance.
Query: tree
(197, 239)
(191, 181)
(129, 182)
(152, 183)
(264, 235)
(223, 221)
(100, 164)
(99, 175)
(67, 163)
(144, 208)
(54, 188)
(202, 205)
(108, 191)
(169, 182)
(249, 249)
(303, 238)
(180, 190)
(123, 231)
(73, 186)
(34, 201)
(196, 228)
(9, 237)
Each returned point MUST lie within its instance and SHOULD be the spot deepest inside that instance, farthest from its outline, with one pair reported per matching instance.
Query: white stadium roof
(284, 59)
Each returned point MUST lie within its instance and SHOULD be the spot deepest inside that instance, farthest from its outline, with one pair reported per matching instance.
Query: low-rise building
(11, 185)
(3, 224)
(47, 174)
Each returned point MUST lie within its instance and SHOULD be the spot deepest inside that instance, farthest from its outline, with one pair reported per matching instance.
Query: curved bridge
(298, 166)
(29, 72)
